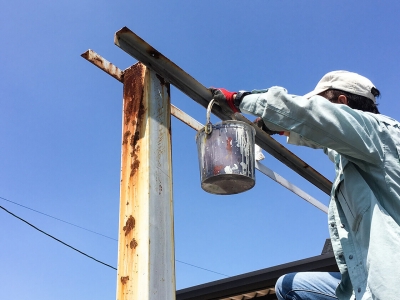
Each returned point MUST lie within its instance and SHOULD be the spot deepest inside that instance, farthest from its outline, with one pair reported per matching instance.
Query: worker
(341, 117)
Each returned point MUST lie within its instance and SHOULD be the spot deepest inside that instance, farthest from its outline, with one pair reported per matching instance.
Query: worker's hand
(260, 123)
(225, 96)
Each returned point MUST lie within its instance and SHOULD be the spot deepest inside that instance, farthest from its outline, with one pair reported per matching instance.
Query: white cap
(344, 81)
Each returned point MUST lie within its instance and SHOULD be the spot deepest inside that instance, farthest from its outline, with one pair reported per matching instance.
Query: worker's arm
(335, 126)
(233, 100)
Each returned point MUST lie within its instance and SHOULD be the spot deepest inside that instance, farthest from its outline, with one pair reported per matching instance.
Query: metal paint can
(226, 157)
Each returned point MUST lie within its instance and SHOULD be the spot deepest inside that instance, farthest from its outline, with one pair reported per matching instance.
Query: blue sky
(60, 130)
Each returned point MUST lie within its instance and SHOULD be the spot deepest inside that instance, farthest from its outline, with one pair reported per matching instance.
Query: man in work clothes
(340, 116)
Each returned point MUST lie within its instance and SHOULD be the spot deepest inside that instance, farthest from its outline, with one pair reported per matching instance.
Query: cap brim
(315, 92)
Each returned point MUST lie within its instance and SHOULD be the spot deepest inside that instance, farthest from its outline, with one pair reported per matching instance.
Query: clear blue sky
(60, 130)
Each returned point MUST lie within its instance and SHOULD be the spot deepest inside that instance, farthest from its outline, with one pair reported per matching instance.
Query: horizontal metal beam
(104, 65)
(142, 51)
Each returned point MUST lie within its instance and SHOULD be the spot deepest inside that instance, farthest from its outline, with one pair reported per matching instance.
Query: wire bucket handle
(208, 126)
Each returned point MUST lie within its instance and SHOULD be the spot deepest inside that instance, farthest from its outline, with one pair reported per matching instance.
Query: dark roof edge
(255, 280)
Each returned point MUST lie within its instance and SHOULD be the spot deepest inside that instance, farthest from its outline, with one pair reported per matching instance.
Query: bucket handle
(208, 126)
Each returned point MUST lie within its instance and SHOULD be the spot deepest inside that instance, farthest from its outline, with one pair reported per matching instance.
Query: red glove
(223, 95)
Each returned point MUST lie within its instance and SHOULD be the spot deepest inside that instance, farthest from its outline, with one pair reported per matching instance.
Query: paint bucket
(226, 156)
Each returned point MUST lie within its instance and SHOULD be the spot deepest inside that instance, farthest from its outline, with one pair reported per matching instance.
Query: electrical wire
(201, 268)
(55, 218)
(49, 235)
(59, 219)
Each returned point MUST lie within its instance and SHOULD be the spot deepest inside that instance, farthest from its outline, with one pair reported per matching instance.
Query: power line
(58, 219)
(39, 212)
(201, 268)
(49, 235)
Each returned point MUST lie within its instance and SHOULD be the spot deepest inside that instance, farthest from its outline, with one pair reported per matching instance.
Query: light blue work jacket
(364, 210)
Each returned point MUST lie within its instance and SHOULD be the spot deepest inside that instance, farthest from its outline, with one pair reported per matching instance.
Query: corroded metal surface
(103, 64)
(146, 268)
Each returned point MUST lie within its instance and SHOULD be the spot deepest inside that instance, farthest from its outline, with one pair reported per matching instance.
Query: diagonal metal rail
(143, 52)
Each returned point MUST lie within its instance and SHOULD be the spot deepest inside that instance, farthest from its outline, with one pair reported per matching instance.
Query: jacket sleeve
(336, 126)
(298, 140)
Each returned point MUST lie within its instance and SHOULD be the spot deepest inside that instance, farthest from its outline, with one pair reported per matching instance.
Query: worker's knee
(279, 288)
(307, 285)
(284, 286)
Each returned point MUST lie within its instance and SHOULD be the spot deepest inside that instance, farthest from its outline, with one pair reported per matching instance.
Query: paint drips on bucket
(229, 148)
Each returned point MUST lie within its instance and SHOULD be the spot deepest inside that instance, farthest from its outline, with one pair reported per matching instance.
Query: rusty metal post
(146, 263)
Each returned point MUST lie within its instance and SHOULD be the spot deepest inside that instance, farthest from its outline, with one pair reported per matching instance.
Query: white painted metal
(185, 118)
(161, 221)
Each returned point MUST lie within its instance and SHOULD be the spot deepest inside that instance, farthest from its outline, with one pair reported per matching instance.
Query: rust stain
(153, 53)
(134, 139)
(86, 54)
(162, 80)
(133, 92)
(134, 112)
(128, 109)
(135, 149)
(99, 60)
(133, 244)
(125, 138)
(141, 110)
(124, 279)
(129, 225)
(217, 169)
(134, 167)
(229, 144)
(133, 153)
